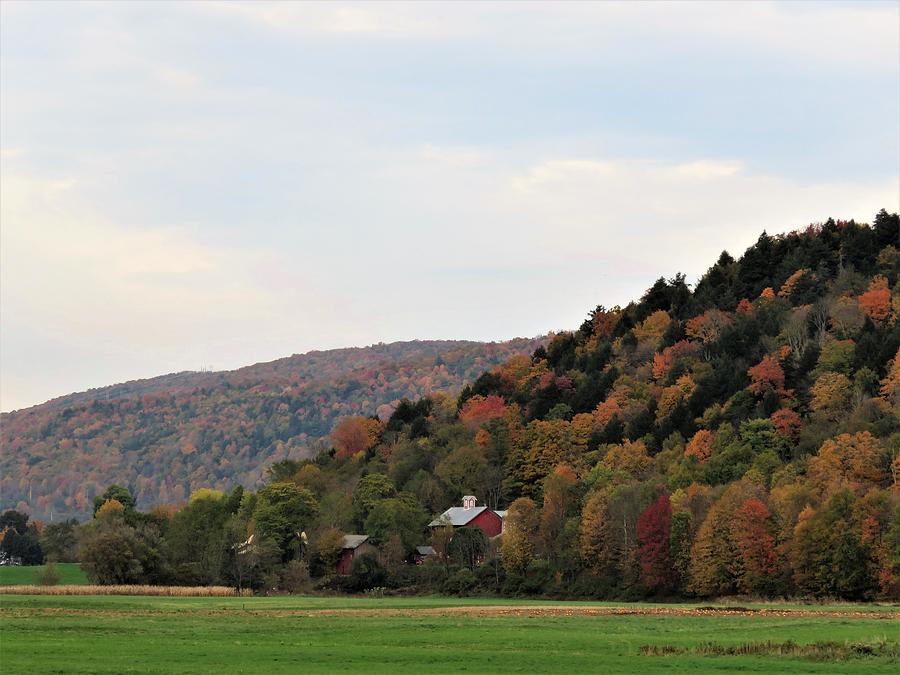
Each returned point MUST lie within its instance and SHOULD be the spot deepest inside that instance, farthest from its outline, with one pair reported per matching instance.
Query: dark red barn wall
(488, 521)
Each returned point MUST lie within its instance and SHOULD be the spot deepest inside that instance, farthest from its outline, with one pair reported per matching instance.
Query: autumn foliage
(876, 302)
(708, 326)
(766, 376)
(353, 435)
(700, 446)
(668, 357)
(480, 409)
(688, 443)
(752, 530)
(787, 423)
(654, 528)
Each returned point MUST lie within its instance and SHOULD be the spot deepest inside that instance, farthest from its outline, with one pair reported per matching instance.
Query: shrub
(366, 572)
(460, 582)
(48, 576)
(295, 577)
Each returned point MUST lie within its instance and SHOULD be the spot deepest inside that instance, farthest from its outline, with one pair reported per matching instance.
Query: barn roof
(354, 540)
(425, 550)
(457, 516)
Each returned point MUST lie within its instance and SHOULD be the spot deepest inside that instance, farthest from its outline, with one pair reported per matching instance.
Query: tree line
(740, 437)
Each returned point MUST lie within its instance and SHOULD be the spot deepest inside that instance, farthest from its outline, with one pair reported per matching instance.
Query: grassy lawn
(69, 573)
(131, 634)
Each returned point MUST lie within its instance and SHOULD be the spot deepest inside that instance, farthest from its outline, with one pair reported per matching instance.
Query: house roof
(425, 550)
(457, 516)
(354, 540)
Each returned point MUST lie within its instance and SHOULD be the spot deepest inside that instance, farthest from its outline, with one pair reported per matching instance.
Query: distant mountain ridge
(164, 436)
(305, 366)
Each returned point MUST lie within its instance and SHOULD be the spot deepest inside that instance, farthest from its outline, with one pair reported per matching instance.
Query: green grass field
(151, 634)
(69, 573)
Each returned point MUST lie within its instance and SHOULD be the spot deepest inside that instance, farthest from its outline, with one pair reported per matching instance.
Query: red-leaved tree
(751, 529)
(766, 376)
(654, 528)
(480, 409)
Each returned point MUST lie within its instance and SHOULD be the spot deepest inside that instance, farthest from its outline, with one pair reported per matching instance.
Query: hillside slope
(168, 435)
(740, 437)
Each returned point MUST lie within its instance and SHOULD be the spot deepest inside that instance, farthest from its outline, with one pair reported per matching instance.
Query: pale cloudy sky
(223, 183)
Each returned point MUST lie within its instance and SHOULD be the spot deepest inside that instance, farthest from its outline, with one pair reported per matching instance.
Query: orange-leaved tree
(876, 302)
(752, 531)
(766, 376)
(855, 461)
(700, 445)
(352, 435)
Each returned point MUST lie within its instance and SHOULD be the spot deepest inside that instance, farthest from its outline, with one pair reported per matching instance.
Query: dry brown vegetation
(820, 651)
(180, 591)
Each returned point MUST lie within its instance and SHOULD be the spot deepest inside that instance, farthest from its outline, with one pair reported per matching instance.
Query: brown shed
(354, 545)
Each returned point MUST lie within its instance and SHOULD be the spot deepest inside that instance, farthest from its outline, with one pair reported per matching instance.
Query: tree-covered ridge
(167, 436)
(739, 437)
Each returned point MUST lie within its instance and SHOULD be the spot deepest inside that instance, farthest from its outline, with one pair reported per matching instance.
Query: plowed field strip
(521, 611)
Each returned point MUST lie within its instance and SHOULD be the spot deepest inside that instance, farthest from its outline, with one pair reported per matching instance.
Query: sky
(217, 184)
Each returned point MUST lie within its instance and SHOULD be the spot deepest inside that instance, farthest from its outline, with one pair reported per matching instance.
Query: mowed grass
(170, 635)
(23, 575)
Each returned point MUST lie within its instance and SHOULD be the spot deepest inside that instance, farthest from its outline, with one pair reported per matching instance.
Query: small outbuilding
(355, 545)
(423, 553)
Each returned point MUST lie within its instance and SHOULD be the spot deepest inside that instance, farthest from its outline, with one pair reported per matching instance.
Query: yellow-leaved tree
(519, 533)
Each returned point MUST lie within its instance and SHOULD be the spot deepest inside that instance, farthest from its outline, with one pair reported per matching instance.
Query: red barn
(469, 515)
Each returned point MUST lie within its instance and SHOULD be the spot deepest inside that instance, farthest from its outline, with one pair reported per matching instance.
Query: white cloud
(670, 216)
(455, 156)
(837, 34)
(65, 258)
(221, 183)
(176, 76)
(326, 17)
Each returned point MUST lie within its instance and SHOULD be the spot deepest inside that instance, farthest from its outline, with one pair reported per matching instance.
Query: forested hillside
(166, 436)
(742, 436)
(739, 437)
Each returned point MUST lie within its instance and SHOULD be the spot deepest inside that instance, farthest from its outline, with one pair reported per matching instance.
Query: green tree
(283, 511)
(24, 547)
(20, 539)
(196, 540)
(366, 572)
(401, 516)
(468, 546)
(680, 546)
(59, 541)
(114, 552)
(251, 557)
(465, 471)
(370, 490)
(117, 493)
(829, 557)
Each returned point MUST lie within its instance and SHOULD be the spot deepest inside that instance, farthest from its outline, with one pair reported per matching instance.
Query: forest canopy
(738, 437)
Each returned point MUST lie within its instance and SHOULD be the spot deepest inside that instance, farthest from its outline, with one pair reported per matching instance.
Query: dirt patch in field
(485, 611)
(524, 611)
